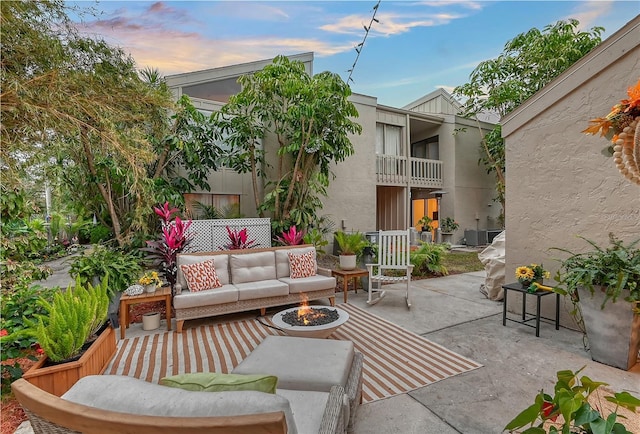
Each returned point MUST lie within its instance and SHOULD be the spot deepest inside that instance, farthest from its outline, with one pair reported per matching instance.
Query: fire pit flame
(307, 315)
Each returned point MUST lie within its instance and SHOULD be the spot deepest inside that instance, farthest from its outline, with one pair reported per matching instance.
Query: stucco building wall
(352, 204)
(559, 184)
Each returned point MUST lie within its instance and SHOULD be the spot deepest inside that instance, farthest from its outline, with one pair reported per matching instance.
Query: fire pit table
(310, 321)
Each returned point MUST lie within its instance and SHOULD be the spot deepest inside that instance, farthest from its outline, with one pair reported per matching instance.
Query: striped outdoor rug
(395, 360)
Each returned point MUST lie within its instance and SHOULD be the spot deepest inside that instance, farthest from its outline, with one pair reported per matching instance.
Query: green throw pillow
(212, 382)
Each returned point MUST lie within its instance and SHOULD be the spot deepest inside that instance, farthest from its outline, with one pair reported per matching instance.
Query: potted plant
(73, 336)
(448, 226)
(151, 281)
(350, 245)
(528, 274)
(604, 285)
(571, 401)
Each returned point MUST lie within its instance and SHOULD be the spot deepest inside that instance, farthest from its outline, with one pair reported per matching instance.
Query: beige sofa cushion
(308, 408)
(224, 294)
(220, 263)
(261, 289)
(282, 259)
(252, 267)
(131, 395)
(309, 284)
(301, 363)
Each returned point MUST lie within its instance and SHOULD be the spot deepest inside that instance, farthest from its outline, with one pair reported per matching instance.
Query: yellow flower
(149, 278)
(524, 273)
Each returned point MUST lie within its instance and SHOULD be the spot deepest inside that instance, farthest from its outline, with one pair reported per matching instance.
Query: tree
(78, 108)
(528, 62)
(310, 119)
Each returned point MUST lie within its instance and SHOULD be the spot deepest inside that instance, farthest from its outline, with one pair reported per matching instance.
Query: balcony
(393, 170)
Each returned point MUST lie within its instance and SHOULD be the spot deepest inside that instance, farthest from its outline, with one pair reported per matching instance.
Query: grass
(462, 262)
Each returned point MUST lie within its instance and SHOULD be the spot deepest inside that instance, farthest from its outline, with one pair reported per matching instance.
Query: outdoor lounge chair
(393, 266)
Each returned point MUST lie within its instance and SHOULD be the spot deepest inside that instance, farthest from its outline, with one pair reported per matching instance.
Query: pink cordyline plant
(292, 237)
(173, 241)
(238, 239)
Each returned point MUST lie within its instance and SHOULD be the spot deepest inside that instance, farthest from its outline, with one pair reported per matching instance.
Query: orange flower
(626, 107)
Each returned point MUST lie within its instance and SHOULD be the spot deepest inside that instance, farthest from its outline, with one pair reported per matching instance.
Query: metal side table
(526, 317)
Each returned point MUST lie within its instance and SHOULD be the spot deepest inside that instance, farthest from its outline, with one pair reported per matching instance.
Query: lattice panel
(211, 234)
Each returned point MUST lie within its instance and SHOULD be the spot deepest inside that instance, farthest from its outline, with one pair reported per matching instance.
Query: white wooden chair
(394, 264)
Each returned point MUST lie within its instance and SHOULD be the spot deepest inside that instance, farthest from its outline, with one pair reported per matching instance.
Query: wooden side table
(538, 295)
(348, 274)
(163, 293)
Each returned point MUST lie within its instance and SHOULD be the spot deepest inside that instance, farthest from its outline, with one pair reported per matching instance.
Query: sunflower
(524, 273)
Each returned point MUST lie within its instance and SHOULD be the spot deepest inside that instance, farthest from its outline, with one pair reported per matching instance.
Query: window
(219, 90)
(208, 206)
(388, 139)
(428, 148)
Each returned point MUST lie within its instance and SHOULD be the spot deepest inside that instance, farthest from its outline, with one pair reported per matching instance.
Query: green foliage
(427, 259)
(314, 236)
(19, 303)
(616, 268)
(70, 319)
(425, 222)
(449, 225)
(231, 211)
(99, 234)
(120, 268)
(350, 243)
(571, 401)
(20, 243)
(311, 119)
(100, 123)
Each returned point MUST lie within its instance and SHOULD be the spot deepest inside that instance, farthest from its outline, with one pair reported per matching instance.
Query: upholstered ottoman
(309, 364)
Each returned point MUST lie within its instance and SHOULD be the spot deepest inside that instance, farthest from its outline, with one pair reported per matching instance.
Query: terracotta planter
(59, 378)
(613, 332)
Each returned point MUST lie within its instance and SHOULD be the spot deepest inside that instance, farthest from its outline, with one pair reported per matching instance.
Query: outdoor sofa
(251, 279)
(319, 396)
(114, 404)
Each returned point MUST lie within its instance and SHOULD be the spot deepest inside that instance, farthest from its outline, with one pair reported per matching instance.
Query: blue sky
(415, 48)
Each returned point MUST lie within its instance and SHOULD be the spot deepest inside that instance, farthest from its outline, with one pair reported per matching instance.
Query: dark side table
(526, 317)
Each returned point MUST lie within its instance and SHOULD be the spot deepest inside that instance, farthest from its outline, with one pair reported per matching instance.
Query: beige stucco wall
(352, 194)
(559, 185)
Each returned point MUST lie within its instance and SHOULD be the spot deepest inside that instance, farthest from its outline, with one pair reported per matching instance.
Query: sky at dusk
(413, 49)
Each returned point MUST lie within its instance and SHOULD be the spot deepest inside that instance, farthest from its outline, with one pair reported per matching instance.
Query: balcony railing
(392, 170)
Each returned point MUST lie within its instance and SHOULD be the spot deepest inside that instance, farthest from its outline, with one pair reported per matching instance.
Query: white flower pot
(150, 288)
(347, 262)
(151, 321)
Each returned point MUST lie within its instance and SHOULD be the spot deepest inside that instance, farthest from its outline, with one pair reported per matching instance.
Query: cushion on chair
(215, 382)
(131, 395)
(201, 276)
(302, 265)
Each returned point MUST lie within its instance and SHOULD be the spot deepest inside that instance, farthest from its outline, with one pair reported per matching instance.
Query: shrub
(70, 319)
(119, 267)
(427, 259)
(99, 234)
(314, 236)
(571, 401)
(17, 304)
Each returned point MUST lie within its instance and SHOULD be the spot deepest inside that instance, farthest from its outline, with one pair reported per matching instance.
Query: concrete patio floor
(452, 312)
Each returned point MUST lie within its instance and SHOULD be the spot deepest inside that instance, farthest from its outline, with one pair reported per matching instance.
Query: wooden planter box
(58, 379)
